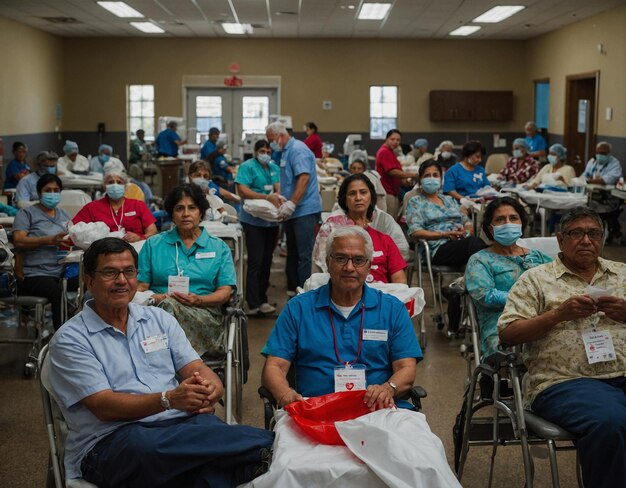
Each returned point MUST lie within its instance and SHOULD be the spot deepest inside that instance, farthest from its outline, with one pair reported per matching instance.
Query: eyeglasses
(579, 234)
(110, 274)
(342, 260)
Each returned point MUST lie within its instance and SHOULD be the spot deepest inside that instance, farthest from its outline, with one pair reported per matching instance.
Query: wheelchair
(232, 367)
(491, 417)
(270, 404)
(56, 429)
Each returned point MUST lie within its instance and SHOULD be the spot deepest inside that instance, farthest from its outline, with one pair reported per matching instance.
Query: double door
(239, 114)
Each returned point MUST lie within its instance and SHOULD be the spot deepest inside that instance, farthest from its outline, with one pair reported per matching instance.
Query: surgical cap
(559, 150)
(104, 147)
(111, 169)
(520, 141)
(70, 147)
(421, 142)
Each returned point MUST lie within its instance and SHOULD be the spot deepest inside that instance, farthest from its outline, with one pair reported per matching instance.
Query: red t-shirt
(134, 216)
(386, 160)
(314, 143)
(387, 258)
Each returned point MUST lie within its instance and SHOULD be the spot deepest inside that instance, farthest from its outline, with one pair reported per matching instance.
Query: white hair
(114, 172)
(444, 143)
(276, 128)
(605, 143)
(351, 231)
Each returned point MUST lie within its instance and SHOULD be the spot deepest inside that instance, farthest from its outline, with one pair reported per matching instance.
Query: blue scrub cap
(70, 147)
(421, 142)
(520, 141)
(104, 147)
(559, 150)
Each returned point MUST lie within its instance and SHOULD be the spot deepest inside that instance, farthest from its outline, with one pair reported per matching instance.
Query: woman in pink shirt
(313, 141)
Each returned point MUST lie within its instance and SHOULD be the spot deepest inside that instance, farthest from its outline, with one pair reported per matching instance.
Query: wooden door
(580, 146)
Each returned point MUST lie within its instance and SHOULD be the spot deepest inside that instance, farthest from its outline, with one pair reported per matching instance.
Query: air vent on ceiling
(61, 20)
(286, 12)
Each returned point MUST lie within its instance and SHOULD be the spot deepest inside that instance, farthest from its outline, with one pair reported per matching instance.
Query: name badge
(377, 254)
(375, 335)
(130, 214)
(178, 284)
(350, 378)
(598, 346)
(283, 163)
(268, 187)
(155, 343)
(205, 255)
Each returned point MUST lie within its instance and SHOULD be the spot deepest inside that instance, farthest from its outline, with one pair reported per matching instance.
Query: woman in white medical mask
(556, 172)
(128, 218)
(491, 273)
(438, 219)
(258, 178)
(200, 174)
(38, 232)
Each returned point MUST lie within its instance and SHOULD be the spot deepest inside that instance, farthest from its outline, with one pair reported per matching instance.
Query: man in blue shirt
(210, 145)
(301, 211)
(18, 167)
(114, 370)
(168, 141)
(605, 169)
(340, 329)
(26, 190)
(535, 141)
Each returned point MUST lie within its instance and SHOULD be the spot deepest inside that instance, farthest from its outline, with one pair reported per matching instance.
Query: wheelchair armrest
(415, 395)
(500, 358)
(269, 405)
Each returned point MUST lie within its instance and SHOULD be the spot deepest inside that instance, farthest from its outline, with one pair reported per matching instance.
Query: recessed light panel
(235, 28)
(147, 27)
(121, 9)
(498, 14)
(466, 30)
(373, 11)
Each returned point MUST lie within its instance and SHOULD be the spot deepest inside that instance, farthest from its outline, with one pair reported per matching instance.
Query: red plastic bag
(317, 415)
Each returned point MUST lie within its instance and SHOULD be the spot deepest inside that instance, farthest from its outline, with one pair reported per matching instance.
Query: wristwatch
(393, 386)
(165, 402)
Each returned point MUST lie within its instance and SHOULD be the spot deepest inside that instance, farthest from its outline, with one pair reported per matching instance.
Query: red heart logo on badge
(349, 386)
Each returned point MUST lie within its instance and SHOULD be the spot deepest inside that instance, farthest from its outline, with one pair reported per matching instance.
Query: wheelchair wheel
(438, 321)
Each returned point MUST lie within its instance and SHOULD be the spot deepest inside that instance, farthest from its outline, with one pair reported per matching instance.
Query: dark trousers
(197, 451)
(456, 253)
(260, 242)
(50, 288)
(595, 410)
(300, 233)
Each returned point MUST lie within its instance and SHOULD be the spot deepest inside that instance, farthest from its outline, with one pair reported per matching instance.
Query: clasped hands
(195, 395)
(582, 306)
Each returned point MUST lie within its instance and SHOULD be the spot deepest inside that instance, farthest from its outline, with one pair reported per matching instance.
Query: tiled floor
(23, 443)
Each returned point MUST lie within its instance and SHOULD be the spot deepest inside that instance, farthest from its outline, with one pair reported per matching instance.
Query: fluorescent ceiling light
(498, 13)
(235, 28)
(120, 9)
(373, 11)
(466, 30)
(147, 27)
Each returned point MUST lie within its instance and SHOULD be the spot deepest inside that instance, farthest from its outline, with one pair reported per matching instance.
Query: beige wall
(573, 50)
(30, 79)
(311, 71)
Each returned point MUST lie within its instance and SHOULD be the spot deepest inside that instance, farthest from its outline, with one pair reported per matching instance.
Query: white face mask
(446, 154)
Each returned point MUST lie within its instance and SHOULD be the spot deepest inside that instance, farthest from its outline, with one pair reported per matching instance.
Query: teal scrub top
(259, 179)
(208, 263)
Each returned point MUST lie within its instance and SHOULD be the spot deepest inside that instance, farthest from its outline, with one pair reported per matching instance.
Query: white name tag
(154, 343)
(205, 255)
(130, 214)
(178, 284)
(283, 163)
(268, 187)
(350, 378)
(377, 254)
(375, 335)
(598, 346)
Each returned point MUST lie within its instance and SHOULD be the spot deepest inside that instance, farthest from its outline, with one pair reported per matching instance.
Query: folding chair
(56, 429)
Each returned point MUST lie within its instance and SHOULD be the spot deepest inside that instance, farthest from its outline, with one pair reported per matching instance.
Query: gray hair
(114, 172)
(351, 231)
(578, 213)
(531, 123)
(444, 143)
(46, 156)
(276, 128)
(606, 144)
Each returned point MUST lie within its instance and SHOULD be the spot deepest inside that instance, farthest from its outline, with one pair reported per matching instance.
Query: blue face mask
(104, 158)
(51, 170)
(115, 191)
(507, 234)
(518, 153)
(430, 184)
(602, 159)
(275, 146)
(552, 159)
(50, 199)
(264, 159)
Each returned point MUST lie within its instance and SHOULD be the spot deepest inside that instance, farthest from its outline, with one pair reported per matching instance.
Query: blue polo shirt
(297, 159)
(463, 181)
(207, 148)
(208, 263)
(166, 142)
(87, 356)
(260, 179)
(536, 142)
(14, 168)
(304, 336)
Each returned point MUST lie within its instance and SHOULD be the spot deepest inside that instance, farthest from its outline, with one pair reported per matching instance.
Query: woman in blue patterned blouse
(491, 273)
